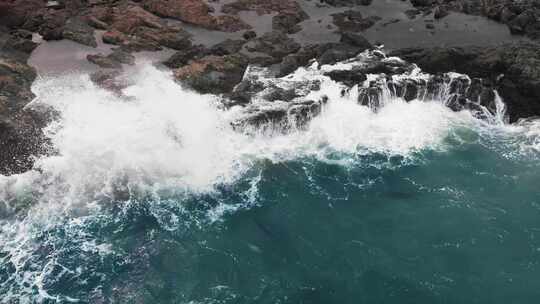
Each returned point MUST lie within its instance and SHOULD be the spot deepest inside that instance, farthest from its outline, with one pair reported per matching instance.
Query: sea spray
(162, 153)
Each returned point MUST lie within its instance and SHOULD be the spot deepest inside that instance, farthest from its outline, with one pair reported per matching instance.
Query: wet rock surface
(354, 21)
(196, 12)
(21, 136)
(514, 69)
(375, 79)
(522, 17)
(213, 74)
(79, 31)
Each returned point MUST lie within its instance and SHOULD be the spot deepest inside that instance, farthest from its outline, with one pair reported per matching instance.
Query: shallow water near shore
(154, 198)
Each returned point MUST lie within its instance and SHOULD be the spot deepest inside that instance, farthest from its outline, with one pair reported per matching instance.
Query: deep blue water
(455, 226)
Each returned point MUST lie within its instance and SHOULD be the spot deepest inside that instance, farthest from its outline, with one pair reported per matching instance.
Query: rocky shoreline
(275, 34)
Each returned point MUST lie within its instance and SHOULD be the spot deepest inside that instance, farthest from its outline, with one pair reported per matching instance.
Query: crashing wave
(371, 79)
(157, 146)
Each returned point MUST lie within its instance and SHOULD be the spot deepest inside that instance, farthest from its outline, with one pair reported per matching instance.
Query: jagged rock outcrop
(273, 104)
(514, 69)
(372, 79)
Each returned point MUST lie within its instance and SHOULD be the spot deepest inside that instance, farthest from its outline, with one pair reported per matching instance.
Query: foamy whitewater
(160, 169)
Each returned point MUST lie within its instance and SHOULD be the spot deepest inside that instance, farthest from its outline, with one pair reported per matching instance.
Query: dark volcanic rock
(96, 23)
(340, 3)
(196, 12)
(15, 14)
(288, 12)
(18, 45)
(440, 12)
(127, 19)
(353, 21)
(522, 17)
(334, 52)
(174, 38)
(514, 69)
(286, 23)
(347, 77)
(248, 35)
(301, 58)
(273, 104)
(112, 61)
(422, 2)
(284, 7)
(412, 13)
(108, 79)
(21, 137)
(121, 56)
(114, 37)
(355, 40)
(213, 74)
(275, 44)
(227, 47)
(294, 115)
(51, 25)
(79, 31)
(103, 61)
(183, 57)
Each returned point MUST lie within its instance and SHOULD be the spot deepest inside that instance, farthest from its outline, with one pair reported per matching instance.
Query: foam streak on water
(162, 143)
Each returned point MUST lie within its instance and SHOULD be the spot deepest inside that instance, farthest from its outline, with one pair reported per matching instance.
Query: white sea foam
(161, 135)
(163, 140)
